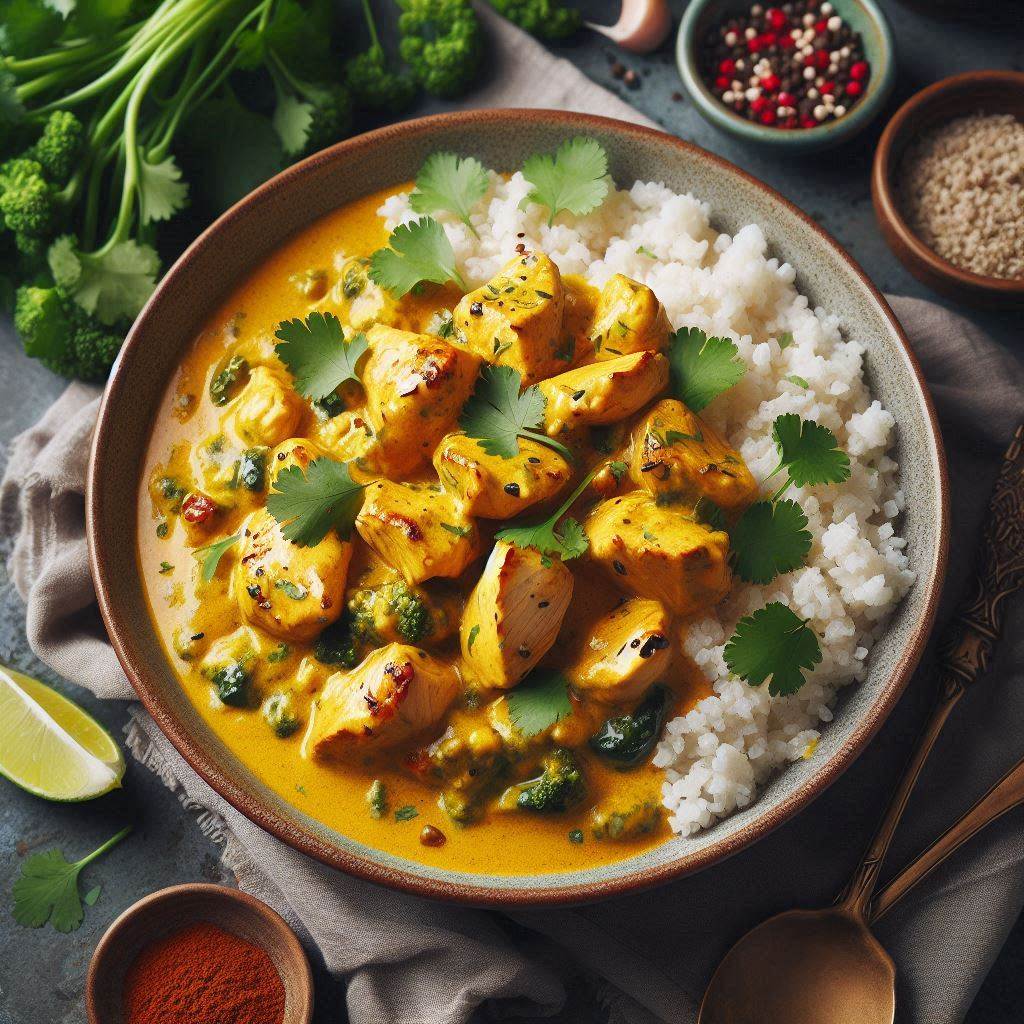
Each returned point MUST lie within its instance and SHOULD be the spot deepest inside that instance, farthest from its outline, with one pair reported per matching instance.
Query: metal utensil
(825, 966)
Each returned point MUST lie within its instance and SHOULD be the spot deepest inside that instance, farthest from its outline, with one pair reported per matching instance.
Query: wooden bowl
(229, 250)
(994, 92)
(170, 910)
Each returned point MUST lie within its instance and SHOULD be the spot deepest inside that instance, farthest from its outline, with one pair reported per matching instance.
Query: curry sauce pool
(446, 634)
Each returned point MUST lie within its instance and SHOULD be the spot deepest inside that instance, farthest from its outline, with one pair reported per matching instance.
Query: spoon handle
(965, 653)
(1006, 794)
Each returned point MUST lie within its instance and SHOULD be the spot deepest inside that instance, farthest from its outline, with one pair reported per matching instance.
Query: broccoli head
(547, 19)
(58, 148)
(643, 817)
(442, 44)
(393, 612)
(377, 86)
(471, 767)
(279, 713)
(337, 646)
(557, 788)
(331, 117)
(55, 330)
(27, 203)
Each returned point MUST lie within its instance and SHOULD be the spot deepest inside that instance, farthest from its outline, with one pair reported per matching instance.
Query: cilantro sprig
(809, 452)
(539, 702)
(701, 367)
(451, 183)
(308, 505)
(498, 413)
(573, 179)
(418, 252)
(566, 543)
(774, 643)
(318, 355)
(47, 888)
(210, 555)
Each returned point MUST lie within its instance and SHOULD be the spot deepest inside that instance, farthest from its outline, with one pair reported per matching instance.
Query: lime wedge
(49, 746)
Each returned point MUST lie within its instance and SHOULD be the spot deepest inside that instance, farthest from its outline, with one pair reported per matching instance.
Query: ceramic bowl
(994, 92)
(865, 16)
(238, 242)
(156, 916)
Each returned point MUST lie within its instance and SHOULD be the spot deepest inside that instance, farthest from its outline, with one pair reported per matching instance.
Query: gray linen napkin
(408, 961)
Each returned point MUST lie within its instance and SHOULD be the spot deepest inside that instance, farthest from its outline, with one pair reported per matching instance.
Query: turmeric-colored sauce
(290, 726)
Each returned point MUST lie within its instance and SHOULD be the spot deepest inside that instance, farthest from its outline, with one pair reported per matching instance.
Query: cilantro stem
(534, 435)
(580, 488)
(112, 841)
(782, 490)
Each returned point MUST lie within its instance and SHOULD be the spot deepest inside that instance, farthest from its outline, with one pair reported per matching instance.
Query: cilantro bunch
(107, 109)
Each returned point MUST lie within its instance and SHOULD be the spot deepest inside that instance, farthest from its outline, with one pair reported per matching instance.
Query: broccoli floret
(27, 203)
(471, 767)
(59, 146)
(279, 714)
(337, 646)
(331, 116)
(547, 19)
(393, 611)
(442, 44)
(233, 683)
(638, 820)
(55, 330)
(374, 84)
(557, 788)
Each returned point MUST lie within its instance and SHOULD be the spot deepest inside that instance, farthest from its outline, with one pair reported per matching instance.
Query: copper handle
(964, 655)
(1006, 794)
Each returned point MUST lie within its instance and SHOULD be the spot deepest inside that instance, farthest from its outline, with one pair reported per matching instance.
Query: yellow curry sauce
(326, 767)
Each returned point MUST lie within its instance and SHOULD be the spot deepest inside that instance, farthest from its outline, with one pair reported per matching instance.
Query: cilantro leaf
(702, 368)
(774, 642)
(47, 888)
(569, 542)
(572, 179)
(318, 355)
(162, 193)
(498, 414)
(452, 183)
(809, 451)
(308, 504)
(418, 252)
(538, 702)
(769, 539)
(210, 555)
(111, 285)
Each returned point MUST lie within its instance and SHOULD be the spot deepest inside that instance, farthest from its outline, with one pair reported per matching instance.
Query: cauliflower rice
(717, 755)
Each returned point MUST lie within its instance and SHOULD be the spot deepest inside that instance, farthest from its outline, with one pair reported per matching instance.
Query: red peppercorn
(827, 87)
(767, 117)
(860, 70)
(759, 104)
(754, 45)
(791, 121)
(723, 81)
(787, 42)
(769, 39)
(776, 18)
(770, 82)
(821, 27)
(197, 508)
(728, 66)
(808, 122)
(821, 59)
(787, 99)
(854, 88)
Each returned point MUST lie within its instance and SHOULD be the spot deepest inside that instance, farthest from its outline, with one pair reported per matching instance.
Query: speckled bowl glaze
(249, 232)
(864, 16)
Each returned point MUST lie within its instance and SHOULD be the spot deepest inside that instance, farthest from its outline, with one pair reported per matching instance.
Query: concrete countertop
(41, 972)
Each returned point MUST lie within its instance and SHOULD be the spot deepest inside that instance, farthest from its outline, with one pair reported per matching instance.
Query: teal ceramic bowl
(864, 16)
(246, 235)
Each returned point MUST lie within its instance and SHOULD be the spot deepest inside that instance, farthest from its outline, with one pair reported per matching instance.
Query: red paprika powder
(203, 974)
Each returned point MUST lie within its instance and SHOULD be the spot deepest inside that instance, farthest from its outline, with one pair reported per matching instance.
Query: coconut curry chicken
(424, 561)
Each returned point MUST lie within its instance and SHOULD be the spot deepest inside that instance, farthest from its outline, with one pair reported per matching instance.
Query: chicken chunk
(577, 321)
(513, 615)
(267, 409)
(395, 693)
(347, 436)
(417, 529)
(680, 459)
(659, 553)
(416, 386)
(603, 392)
(629, 318)
(291, 592)
(516, 318)
(495, 488)
(215, 465)
(625, 651)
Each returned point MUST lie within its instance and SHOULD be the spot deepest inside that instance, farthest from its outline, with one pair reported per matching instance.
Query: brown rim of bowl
(521, 895)
(883, 189)
(267, 914)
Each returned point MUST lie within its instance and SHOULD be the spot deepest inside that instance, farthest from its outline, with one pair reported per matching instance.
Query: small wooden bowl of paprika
(199, 952)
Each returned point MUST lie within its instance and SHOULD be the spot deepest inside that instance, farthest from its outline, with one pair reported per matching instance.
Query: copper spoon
(825, 966)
